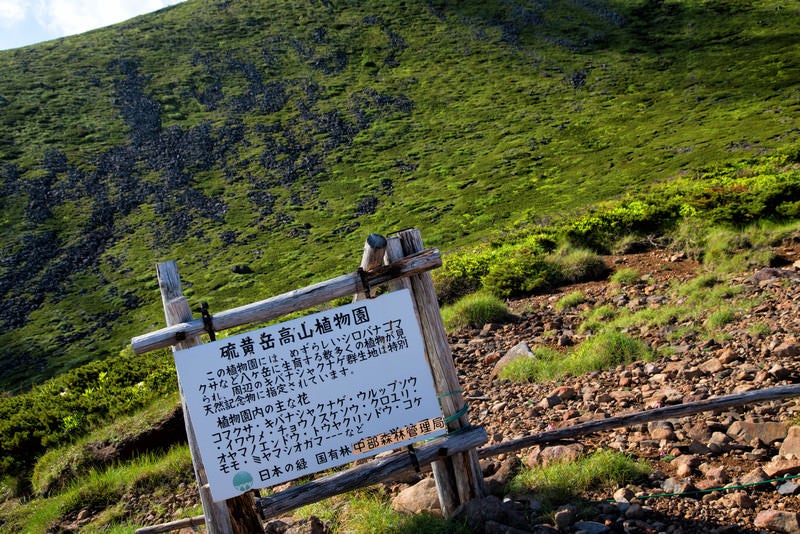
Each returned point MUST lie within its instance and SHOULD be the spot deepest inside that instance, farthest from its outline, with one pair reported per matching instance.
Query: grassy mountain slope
(277, 135)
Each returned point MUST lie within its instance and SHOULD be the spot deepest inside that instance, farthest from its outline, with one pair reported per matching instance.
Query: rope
(457, 415)
(711, 490)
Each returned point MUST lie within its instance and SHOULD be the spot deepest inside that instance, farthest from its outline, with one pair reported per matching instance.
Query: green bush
(595, 319)
(608, 222)
(720, 318)
(579, 265)
(474, 311)
(521, 274)
(65, 408)
(542, 366)
(605, 350)
(461, 273)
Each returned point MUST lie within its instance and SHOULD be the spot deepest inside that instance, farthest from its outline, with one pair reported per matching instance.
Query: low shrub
(474, 311)
(605, 350)
(579, 265)
(521, 274)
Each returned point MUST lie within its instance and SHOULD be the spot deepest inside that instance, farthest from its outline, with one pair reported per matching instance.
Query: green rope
(450, 393)
(725, 488)
(457, 415)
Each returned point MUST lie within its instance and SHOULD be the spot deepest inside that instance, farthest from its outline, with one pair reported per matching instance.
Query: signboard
(310, 394)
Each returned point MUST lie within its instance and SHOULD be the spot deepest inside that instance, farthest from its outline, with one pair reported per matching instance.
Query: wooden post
(234, 516)
(458, 477)
(372, 258)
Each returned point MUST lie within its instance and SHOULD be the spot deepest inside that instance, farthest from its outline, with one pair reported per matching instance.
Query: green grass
(570, 300)
(148, 477)
(603, 470)
(60, 465)
(369, 511)
(625, 277)
(474, 311)
(605, 350)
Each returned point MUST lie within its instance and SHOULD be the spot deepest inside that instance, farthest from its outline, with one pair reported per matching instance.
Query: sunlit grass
(369, 511)
(570, 300)
(103, 490)
(556, 483)
(474, 311)
(605, 350)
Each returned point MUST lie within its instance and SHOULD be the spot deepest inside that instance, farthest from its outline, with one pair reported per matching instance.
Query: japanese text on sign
(303, 396)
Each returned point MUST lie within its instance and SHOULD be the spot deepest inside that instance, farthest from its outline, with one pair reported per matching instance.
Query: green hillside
(274, 136)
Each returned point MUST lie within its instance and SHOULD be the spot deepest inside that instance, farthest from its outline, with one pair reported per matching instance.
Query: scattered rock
(421, 497)
(790, 448)
(778, 521)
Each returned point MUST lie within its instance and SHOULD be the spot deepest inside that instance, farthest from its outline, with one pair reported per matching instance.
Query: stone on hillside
(779, 467)
(623, 495)
(788, 349)
(488, 328)
(564, 392)
(756, 476)
(684, 464)
(565, 516)
(661, 430)
(738, 499)
(520, 350)
(789, 488)
(480, 516)
(727, 356)
(711, 366)
(291, 525)
(791, 445)
(699, 431)
(624, 395)
(556, 453)
(719, 443)
(550, 401)
(746, 432)
(715, 474)
(421, 497)
(591, 527)
(676, 485)
(497, 482)
(778, 521)
(779, 372)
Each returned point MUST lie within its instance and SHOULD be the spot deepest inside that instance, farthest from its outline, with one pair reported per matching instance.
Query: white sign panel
(303, 396)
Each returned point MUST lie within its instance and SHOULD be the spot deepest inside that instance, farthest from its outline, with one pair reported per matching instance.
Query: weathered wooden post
(374, 249)
(234, 516)
(458, 477)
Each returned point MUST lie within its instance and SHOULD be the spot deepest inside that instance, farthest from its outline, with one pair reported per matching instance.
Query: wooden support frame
(454, 456)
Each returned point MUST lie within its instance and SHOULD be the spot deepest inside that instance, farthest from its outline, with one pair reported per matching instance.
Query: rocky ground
(693, 455)
(719, 467)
